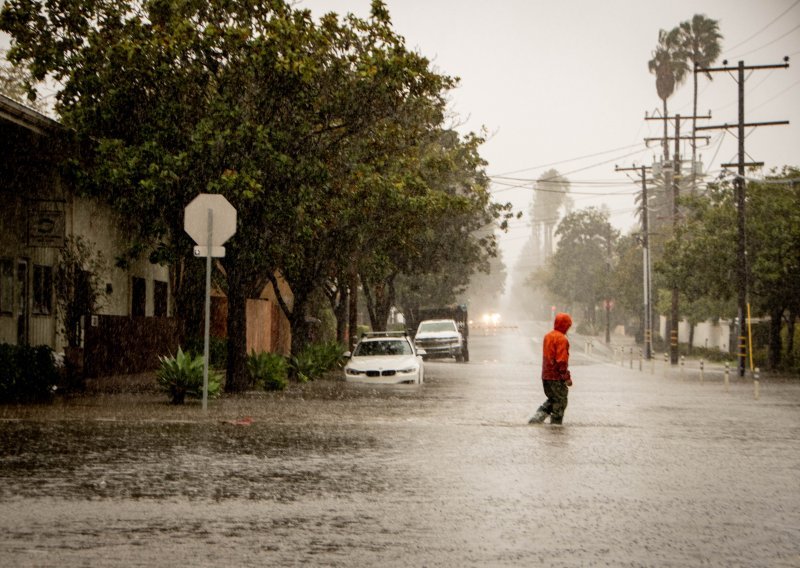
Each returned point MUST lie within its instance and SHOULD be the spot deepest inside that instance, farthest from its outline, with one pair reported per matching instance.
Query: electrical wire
(570, 159)
(769, 100)
(512, 186)
(778, 17)
(767, 44)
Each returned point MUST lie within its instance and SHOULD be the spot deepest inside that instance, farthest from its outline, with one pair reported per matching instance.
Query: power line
(769, 100)
(592, 194)
(767, 44)
(571, 182)
(576, 170)
(778, 17)
(570, 159)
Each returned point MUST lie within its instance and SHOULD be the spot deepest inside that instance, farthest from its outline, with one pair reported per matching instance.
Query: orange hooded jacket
(555, 350)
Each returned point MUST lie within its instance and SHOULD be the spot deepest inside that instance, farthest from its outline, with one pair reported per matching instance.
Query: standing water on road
(648, 469)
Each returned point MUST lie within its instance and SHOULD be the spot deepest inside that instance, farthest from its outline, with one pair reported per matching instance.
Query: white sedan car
(385, 358)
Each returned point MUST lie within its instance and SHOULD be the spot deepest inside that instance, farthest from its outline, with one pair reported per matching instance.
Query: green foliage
(701, 260)
(79, 283)
(669, 62)
(27, 374)
(316, 130)
(17, 84)
(315, 360)
(269, 371)
(182, 375)
(217, 350)
(580, 270)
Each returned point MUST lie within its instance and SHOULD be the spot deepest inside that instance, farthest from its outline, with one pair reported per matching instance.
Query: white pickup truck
(441, 338)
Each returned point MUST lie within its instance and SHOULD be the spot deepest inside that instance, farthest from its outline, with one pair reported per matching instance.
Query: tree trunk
(340, 312)
(338, 297)
(790, 335)
(691, 336)
(380, 301)
(775, 322)
(694, 131)
(666, 133)
(384, 307)
(238, 378)
(353, 323)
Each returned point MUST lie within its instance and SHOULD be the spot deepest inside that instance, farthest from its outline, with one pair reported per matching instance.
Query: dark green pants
(556, 403)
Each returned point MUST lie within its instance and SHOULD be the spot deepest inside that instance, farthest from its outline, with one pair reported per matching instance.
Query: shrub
(182, 376)
(316, 360)
(27, 374)
(217, 350)
(268, 370)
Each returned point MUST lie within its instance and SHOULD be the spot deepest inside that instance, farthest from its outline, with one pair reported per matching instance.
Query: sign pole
(209, 218)
(208, 310)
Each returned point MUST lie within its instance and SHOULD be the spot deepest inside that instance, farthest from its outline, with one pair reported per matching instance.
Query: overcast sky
(565, 84)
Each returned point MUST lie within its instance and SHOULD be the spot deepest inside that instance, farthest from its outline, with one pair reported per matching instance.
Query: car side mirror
(421, 352)
(347, 354)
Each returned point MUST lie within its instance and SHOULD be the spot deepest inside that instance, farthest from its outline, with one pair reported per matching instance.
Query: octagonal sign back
(223, 215)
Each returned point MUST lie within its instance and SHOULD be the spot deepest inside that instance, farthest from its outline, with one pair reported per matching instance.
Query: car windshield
(436, 326)
(383, 347)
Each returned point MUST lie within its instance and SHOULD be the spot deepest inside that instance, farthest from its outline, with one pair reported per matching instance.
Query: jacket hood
(563, 322)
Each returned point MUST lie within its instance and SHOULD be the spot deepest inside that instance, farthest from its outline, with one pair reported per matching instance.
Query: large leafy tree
(17, 84)
(580, 272)
(254, 100)
(773, 240)
(627, 281)
(669, 65)
(702, 262)
(444, 177)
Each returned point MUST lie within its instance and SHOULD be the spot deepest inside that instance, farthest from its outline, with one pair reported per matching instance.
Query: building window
(42, 290)
(160, 299)
(6, 286)
(138, 296)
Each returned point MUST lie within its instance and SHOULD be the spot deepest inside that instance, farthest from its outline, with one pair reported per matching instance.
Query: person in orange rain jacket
(556, 378)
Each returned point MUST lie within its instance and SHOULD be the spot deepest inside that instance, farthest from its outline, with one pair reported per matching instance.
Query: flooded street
(648, 469)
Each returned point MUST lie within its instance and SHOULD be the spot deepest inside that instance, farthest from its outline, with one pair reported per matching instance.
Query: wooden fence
(117, 345)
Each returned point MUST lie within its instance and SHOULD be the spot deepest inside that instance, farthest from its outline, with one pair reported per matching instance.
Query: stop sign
(222, 218)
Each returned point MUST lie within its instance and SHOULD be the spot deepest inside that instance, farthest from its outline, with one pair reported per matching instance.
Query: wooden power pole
(674, 316)
(646, 278)
(740, 186)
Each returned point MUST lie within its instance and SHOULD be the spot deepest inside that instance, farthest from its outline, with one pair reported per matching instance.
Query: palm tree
(670, 67)
(551, 196)
(700, 39)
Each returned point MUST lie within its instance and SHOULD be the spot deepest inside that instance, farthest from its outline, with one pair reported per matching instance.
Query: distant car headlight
(351, 371)
(408, 370)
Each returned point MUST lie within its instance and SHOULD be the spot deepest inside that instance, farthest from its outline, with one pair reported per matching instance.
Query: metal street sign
(196, 219)
(210, 220)
(216, 252)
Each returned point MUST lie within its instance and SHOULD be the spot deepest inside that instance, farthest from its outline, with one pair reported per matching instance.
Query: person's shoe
(538, 418)
(556, 421)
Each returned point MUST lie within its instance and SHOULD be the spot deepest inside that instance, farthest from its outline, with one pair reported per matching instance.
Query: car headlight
(408, 370)
(351, 371)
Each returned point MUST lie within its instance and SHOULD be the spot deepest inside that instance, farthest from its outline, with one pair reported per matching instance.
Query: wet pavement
(649, 469)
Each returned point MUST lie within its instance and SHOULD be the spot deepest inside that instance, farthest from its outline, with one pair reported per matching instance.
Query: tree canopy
(580, 272)
(326, 135)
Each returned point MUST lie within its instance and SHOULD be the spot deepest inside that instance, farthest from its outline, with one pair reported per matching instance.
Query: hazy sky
(565, 84)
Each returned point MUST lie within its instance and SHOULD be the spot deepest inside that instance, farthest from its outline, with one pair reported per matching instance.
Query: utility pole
(740, 187)
(646, 280)
(675, 185)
